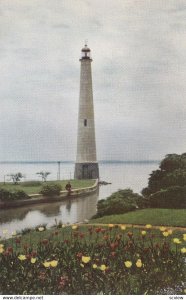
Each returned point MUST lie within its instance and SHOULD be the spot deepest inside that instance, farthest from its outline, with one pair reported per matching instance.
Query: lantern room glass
(85, 54)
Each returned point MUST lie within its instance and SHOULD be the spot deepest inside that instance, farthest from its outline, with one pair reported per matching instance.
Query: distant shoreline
(73, 162)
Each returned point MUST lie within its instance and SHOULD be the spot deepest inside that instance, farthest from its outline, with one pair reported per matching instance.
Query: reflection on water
(70, 211)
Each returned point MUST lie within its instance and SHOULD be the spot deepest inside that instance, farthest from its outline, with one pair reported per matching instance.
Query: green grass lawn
(34, 187)
(154, 216)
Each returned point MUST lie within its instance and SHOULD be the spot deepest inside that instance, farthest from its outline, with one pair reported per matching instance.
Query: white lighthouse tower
(86, 166)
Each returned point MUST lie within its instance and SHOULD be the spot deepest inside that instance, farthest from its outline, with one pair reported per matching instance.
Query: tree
(171, 162)
(167, 185)
(172, 197)
(16, 177)
(43, 175)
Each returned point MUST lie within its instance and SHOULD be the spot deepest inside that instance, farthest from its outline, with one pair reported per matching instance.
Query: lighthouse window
(85, 122)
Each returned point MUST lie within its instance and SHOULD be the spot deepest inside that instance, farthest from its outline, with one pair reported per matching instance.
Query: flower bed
(93, 260)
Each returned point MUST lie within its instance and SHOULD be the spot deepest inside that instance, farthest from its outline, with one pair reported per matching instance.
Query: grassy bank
(34, 187)
(154, 216)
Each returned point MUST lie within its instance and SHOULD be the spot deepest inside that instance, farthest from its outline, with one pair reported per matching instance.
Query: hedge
(172, 197)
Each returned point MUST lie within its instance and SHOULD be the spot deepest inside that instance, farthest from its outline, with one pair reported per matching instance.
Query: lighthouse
(86, 166)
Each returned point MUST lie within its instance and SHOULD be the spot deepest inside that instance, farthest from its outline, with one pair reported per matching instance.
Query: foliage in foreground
(94, 260)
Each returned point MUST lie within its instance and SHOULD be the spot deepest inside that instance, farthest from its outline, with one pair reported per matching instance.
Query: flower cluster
(110, 259)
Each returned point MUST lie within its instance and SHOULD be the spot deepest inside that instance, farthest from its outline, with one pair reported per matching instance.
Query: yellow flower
(33, 260)
(21, 257)
(1, 245)
(85, 259)
(46, 264)
(1, 249)
(103, 267)
(41, 229)
(5, 231)
(94, 266)
(123, 227)
(110, 225)
(139, 263)
(63, 226)
(183, 250)
(162, 228)
(165, 233)
(54, 263)
(128, 264)
(14, 233)
(82, 265)
(148, 226)
(74, 227)
(176, 241)
(143, 232)
(184, 236)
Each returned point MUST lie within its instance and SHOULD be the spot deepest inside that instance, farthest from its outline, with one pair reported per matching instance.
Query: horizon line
(72, 161)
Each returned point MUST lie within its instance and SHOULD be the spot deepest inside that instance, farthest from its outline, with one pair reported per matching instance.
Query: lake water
(120, 175)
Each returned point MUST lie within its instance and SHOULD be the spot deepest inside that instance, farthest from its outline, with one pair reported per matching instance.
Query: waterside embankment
(38, 198)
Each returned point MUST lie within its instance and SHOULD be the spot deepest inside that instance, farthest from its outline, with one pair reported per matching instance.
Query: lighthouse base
(86, 171)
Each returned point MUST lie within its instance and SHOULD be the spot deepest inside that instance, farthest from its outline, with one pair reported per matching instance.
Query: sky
(138, 69)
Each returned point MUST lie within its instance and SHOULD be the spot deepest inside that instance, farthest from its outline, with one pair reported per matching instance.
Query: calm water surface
(121, 175)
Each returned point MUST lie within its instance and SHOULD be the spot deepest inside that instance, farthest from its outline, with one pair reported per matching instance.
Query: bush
(120, 202)
(171, 172)
(5, 195)
(12, 195)
(51, 189)
(18, 195)
(172, 197)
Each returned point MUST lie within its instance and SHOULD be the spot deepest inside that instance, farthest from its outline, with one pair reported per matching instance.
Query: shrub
(18, 195)
(172, 197)
(51, 189)
(12, 195)
(120, 202)
(171, 172)
(5, 195)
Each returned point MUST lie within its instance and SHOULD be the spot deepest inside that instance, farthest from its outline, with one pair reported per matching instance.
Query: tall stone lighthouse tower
(86, 166)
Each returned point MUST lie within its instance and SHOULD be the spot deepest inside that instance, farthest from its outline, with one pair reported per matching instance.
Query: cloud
(139, 69)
